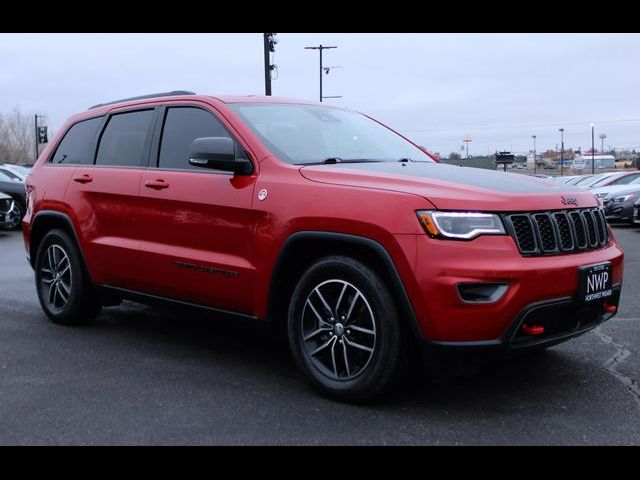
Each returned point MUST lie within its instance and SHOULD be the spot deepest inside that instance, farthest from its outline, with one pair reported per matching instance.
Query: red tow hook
(607, 308)
(533, 329)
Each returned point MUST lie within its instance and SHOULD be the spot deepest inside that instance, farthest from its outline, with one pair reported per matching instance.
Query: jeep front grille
(552, 233)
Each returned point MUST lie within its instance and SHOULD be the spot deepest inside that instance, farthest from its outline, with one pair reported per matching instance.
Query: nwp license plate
(595, 282)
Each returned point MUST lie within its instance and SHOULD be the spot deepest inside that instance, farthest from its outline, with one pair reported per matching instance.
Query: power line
(497, 127)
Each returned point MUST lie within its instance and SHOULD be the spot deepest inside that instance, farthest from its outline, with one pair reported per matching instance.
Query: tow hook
(533, 329)
(607, 308)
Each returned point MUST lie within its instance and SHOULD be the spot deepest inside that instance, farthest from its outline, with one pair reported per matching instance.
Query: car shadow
(478, 383)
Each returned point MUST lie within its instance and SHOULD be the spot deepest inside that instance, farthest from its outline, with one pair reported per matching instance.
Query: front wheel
(62, 282)
(344, 330)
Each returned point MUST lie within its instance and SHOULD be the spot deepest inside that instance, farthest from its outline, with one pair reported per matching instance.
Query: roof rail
(142, 97)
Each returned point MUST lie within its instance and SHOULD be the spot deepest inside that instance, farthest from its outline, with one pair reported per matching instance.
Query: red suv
(322, 220)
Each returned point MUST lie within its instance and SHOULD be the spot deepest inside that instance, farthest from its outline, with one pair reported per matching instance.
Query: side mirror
(218, 153)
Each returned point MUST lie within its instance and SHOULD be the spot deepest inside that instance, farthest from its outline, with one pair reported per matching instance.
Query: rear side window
(182, 126)
(626, 179)
(76, 147)
(123, 141)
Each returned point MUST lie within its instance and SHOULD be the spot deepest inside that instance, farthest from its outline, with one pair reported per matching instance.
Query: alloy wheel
(338, 329)
(56, 278)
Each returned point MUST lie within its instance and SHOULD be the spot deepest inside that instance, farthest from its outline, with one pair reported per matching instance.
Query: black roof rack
(142, 97)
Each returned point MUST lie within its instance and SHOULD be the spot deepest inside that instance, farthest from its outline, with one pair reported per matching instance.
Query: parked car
(8, 213)
(348, 237)
(602, 192)
(13, 186)
(616, 178)
(636, 212)
(563, 178)
(17, 170)
(550, 166)
(619, 205)
(601, 179)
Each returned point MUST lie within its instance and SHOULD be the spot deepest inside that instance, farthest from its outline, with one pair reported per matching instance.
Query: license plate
(595, 282)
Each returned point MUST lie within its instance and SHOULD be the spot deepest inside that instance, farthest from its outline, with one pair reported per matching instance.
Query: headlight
(624, 198)
(461, 225)
(600, 195)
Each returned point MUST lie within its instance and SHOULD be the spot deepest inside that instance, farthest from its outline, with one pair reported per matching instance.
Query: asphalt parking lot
(143, 376)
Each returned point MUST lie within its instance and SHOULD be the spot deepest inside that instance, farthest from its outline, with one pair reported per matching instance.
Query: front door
(198, 239)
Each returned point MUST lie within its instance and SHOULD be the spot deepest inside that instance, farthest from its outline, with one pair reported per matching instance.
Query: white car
(10, 172)
(602, 192)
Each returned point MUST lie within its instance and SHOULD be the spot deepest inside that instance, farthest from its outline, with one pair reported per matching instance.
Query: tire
(329, 345)
(19, 211)
(64, 291)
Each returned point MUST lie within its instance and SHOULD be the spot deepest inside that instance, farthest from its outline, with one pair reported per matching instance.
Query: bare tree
(454, 156)
(17, 137)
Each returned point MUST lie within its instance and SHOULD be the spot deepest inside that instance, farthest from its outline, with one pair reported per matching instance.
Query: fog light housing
(481, 292)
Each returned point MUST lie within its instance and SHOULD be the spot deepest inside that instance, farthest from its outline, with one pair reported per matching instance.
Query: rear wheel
(64, 289)
(344, 331)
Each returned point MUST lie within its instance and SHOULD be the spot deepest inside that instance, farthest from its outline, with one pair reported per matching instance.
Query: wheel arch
(303, 248)
(45, 221)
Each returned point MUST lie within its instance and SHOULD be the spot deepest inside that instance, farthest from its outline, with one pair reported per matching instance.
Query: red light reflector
(533, 329)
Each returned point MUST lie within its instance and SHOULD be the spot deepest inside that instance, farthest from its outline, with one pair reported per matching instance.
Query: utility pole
(561, 151)
(535, 162)
(270, 40)
(320, 48)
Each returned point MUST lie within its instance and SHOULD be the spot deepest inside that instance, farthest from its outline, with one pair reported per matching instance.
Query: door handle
(84, 178)
(158, 184)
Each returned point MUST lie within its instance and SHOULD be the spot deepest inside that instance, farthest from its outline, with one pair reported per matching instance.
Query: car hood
(450, 187)
(615, 190)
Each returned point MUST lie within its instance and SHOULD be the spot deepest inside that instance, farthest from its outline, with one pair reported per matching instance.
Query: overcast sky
(435, 88)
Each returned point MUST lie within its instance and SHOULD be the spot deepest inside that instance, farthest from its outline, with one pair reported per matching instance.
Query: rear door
(198, 243)
(104, 196)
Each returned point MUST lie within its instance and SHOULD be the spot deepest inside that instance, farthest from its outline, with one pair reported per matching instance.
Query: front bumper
(562, 318)
(619, 212)
(441, 265)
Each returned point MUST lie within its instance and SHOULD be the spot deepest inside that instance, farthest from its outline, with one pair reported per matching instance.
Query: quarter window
(182, 126)
(76, 148)
(123, 140)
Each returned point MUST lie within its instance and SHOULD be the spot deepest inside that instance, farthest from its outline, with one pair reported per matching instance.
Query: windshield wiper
(334, 160)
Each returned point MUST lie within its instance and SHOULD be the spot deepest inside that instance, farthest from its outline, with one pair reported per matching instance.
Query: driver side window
(182, 125)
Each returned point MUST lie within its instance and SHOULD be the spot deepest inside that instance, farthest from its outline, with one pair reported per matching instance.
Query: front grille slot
(591, 228)
(546, 232)
(549, 233)
(524, 234)
(564, 229)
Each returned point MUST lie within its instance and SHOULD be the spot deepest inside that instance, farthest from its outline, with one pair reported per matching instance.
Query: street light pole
(320, 48)
(602, 137)
(35, 137)
(593, 150)
(535, 163)
(561, 151)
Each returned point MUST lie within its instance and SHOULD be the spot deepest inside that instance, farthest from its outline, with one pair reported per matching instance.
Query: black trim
(143, 97)
(159, 300)
(394, 276)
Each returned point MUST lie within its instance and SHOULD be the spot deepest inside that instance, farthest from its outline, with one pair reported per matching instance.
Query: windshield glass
(302, 134)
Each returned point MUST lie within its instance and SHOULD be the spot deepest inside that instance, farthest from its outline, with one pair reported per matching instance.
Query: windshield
(303, 134)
